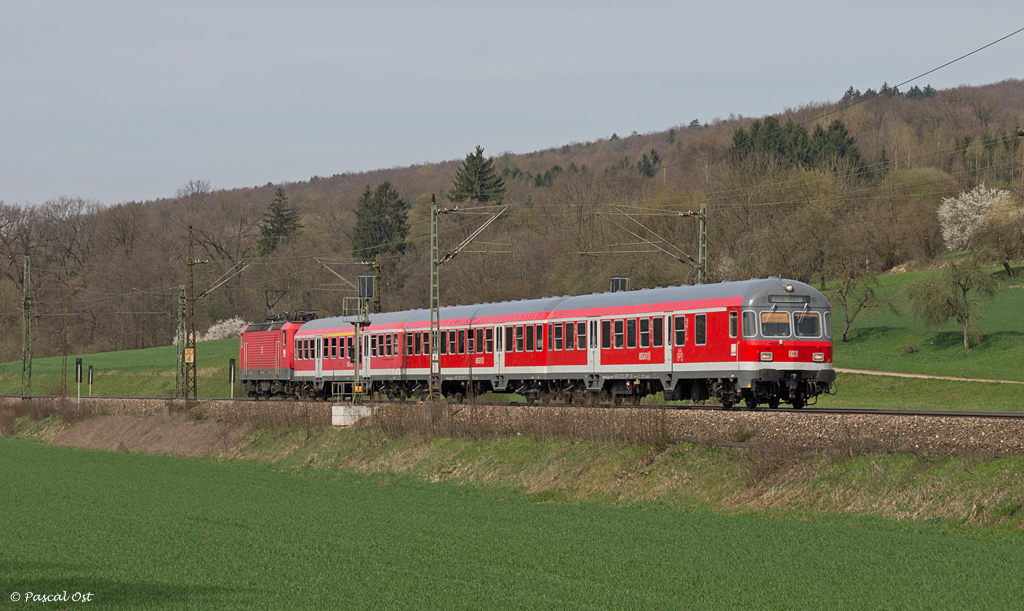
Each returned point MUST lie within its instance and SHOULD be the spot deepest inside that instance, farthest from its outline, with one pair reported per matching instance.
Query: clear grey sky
(128, 100)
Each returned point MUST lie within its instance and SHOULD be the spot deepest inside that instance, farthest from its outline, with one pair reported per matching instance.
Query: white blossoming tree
(964, 216)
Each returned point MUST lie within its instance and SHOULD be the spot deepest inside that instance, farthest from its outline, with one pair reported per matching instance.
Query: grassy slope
(134, 373)
(147, 532)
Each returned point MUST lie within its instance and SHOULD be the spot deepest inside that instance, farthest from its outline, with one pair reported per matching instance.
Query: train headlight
(766, 356)
(819, 357)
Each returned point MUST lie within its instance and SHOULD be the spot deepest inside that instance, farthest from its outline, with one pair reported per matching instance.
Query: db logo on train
(794, 353)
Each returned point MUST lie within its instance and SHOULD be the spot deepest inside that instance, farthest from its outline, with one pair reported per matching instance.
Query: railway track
(717, 408)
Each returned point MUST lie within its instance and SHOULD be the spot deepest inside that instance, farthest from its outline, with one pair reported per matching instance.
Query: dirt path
(894, 374)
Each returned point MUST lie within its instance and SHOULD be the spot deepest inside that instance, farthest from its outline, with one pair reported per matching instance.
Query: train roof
(745, 292)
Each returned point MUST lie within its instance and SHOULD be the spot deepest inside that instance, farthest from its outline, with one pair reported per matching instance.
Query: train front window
(775, 324)
(828, 324)
(807, 324)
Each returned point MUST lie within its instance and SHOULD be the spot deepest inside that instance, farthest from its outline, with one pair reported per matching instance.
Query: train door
(499, 350)
(319, 357)
(593, 352)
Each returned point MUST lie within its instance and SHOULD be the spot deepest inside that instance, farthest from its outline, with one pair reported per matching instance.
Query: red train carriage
(757, 341)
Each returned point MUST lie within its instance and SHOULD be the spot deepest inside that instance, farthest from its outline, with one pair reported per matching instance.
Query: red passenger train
(762, 342)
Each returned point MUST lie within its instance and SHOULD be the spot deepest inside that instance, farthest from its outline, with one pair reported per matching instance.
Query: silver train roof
(752, 293)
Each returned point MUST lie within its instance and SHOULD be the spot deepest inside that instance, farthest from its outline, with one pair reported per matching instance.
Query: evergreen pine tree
(476, 179)
(381, 227)
(280, 221)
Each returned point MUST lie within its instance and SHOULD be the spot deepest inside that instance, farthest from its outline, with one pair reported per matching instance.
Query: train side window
(549, 336)
(498, 336)
(680, 330)
(397, 343)
(470, 341)
(480, 340)
(734, 324)
(659, 331)
(570, 335)
(645, 332)
(631, 333)
(334, 347)
(619, 333)
(309, 350)
(351, 347)
(749, 324)
(298, 349)
(519, 338)
(373, 345)
(489, 340)
(828, 324)
(700, 329)
(606, 334)
(387, 344)
(326, 348)
(540, 338)
(529, 338)
(462, 341)
(409, 345)
(581, 335)
(453, 342)
(558, 337)
(418, 346)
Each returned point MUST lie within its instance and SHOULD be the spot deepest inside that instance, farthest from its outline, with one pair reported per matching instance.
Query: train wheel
(751, 402)
(798, 403)
(773, 403)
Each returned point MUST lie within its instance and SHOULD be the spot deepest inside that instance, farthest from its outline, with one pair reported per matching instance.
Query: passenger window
(519, 338)
(645, 332)
(631, 333)
(529, 338)
(549, 336)
(387, 344)
(775, 324)
(558, 337)
(443, 337)
(540, 338)
(680, 330)
(606, 334)
(618, 333)
(581, 335)
(700, 329)
(470, 341)
(734, 324)
(749, 324)
(373, 345)
(351, 347)
(418, 348)
(490, 340)
(334, 347)
(659, 332)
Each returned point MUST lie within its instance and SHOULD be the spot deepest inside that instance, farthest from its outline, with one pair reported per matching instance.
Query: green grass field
(160, 532)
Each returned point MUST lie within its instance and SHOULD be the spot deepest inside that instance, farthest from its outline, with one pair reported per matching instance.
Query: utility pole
(435, 289)
(702, 254)
(189, 353)
(64, 354)
(26, 333)
(435, 306)
(179, 379)
(377, 286)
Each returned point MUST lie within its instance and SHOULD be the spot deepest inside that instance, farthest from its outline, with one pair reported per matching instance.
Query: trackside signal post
(26, 333)
(435, 307)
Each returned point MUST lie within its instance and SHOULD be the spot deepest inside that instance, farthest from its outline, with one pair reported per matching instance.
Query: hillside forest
(818, 193)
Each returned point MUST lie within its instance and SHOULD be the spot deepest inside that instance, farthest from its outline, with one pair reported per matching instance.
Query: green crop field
(142, 531)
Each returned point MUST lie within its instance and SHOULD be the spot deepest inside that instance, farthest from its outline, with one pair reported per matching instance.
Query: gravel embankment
(941, 435)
